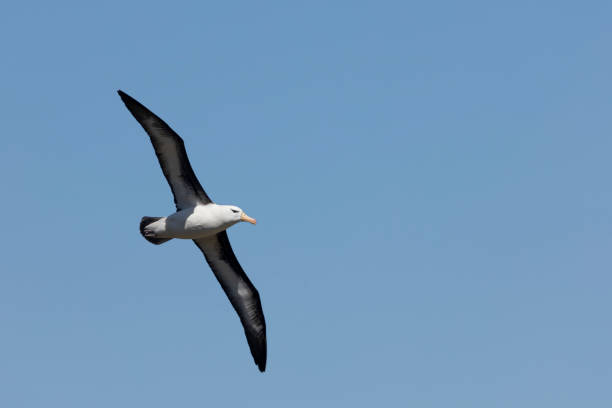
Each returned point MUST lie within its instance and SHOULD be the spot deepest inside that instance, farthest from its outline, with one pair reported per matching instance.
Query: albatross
(198, 218)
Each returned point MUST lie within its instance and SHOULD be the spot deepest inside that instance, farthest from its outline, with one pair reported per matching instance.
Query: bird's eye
(234, 211)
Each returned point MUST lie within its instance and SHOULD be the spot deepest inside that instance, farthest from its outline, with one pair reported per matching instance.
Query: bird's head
(235, 214)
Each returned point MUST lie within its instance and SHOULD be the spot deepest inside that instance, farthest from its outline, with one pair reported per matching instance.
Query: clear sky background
(431, 182)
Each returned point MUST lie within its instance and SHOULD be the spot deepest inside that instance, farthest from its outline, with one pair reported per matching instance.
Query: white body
(196, 222)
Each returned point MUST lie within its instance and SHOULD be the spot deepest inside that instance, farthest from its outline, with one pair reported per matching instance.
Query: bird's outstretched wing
(240, 291)
(170, 151)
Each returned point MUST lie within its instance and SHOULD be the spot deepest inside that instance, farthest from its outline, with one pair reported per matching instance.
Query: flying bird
(198, 218)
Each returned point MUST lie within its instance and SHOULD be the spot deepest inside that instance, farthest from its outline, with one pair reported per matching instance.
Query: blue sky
(431, 182)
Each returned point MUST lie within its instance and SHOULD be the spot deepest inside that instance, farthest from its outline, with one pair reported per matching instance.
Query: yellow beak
(246, 218)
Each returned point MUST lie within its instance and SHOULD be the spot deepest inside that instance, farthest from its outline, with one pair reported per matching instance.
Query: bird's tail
(150, 235)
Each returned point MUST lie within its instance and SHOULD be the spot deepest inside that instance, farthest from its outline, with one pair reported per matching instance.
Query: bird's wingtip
(122, 94)
(261, 359)
(128, 100)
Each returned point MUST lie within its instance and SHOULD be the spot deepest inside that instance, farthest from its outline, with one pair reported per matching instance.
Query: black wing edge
(256, 338)
(141, 113)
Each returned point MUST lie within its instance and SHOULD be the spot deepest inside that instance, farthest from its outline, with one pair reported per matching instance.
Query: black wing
(170, 151)
(240, 291)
